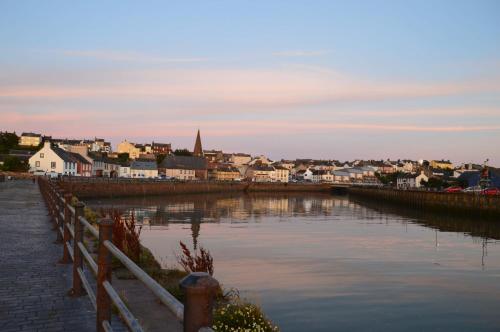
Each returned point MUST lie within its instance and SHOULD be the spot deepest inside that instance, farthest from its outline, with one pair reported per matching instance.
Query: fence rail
(70, 224)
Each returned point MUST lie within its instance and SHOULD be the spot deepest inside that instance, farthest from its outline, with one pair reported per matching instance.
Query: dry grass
(199, 261)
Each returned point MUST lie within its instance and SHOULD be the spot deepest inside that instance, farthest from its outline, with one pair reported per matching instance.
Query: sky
(287, 79)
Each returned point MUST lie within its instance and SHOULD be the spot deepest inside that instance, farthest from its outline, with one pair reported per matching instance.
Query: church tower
(198, 150)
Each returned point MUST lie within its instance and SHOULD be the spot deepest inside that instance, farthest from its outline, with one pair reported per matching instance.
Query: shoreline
(115, 189)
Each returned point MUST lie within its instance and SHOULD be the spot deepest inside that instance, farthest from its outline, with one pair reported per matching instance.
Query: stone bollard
(103, 273)
(200, 290)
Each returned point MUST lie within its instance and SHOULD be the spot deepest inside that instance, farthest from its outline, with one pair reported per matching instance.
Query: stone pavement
(33, 286)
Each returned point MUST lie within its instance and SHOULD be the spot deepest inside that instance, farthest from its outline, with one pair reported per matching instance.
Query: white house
(52, 160)
(321, 175)
(355, 174)
(408, 181)
(260, 173)
(124, 171)
(308, 175)
(340, 176)
(143, 169)
(280, 174)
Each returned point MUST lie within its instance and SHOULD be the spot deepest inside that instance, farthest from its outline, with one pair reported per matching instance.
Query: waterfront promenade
(33, 286)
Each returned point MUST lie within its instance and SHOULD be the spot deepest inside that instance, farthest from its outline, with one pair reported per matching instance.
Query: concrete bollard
(77, 289)
(200, 290)
(103, 273)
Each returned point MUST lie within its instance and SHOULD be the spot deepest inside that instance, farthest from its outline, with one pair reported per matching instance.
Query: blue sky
(323, 79)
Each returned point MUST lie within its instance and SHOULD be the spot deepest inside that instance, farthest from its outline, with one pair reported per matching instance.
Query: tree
(182, 152)
(123, 157)
(159, 158)
(14, 164)
(433, 183)
(8, 141)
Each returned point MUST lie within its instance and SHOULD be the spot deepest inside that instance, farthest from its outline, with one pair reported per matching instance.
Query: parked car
(475, 189)
(453, 190)
(491, 191)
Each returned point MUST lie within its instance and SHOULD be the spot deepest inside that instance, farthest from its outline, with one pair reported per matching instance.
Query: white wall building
(143, 169)
(52, 161)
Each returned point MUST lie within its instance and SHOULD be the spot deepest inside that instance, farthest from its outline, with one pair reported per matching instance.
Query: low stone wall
(16, 175)
(98, 189)
(474, 204)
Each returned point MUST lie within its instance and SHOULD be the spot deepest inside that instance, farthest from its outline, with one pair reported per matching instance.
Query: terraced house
(53, 161)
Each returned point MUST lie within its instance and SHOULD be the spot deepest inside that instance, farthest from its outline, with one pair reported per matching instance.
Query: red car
(453, 190)
(491, 191)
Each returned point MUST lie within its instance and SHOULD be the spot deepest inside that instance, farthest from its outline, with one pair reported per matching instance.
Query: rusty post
(103, 273)
(67, 235)
(200, 290)
(77, 289)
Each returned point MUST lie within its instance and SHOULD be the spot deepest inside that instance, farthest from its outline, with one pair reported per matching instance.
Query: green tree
(8, 141)
(159, 158)
(14, 164)
(123, 157)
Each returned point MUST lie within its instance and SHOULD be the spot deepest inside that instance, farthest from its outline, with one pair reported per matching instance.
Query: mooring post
(67, 235)
(103, 273)
(200, 289)
(77, 289)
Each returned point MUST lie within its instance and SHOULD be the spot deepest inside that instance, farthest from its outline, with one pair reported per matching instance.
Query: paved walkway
(33, 286)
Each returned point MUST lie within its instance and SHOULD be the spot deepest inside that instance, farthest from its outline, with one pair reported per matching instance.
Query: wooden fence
(70, 224)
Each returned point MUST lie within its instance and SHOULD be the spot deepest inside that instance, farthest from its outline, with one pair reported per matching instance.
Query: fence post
(53, 204)
(103, 273)
(77, 289)
(67, 235)
(200, 289)
(59, 220)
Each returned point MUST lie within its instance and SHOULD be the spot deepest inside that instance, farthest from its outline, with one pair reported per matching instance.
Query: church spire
(198, 150)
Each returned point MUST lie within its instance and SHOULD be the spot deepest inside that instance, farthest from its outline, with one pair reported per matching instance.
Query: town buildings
(184, 167)
(133, 150)
(30, 139)
(441, 164)
(225, 173)
(75, 157)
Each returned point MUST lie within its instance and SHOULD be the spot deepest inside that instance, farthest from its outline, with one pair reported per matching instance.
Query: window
(53, 164)
(37, 164)
(41, 155)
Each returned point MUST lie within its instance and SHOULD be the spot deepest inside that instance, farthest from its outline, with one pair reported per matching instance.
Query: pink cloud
(259, 88)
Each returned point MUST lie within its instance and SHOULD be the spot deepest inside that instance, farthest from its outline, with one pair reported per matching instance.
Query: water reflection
(317, 261)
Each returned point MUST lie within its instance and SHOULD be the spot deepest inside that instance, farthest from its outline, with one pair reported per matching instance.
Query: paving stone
(33, 286)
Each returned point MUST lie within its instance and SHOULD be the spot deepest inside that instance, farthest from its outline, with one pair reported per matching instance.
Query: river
(319, 262)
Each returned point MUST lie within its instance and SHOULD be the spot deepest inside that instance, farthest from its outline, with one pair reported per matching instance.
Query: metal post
(67, 235)
(77, 289)
(200, 289)
(103, 273)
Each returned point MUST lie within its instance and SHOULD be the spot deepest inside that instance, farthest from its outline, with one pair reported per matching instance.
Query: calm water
(324, 263)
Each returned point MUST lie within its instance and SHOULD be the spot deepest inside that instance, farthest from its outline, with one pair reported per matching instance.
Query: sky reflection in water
(323, 263)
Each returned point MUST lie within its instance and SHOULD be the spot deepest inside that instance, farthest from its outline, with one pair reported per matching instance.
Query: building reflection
(240, 208)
